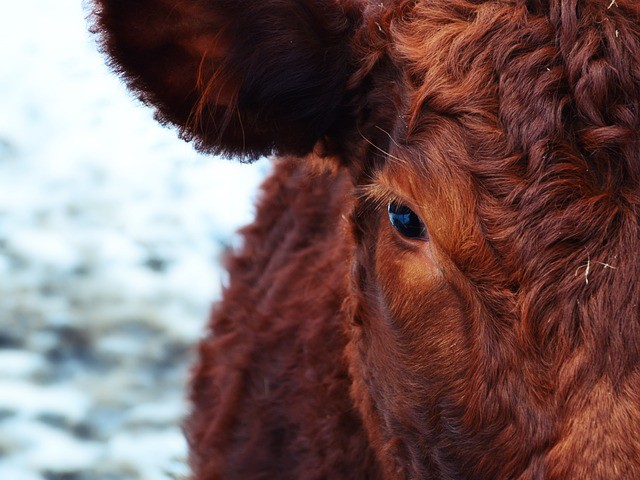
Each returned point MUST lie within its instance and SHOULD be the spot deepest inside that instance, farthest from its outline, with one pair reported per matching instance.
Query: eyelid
(382, 196)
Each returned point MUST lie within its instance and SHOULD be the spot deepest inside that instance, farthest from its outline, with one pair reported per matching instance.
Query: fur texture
(506, 345)
(240, 78)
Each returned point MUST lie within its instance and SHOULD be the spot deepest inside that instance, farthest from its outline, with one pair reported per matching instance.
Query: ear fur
(238, 77)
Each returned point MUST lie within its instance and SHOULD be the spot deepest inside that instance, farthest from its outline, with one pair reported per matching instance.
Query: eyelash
(412, 227)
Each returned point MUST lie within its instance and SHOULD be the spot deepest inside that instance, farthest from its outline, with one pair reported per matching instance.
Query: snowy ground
(110, 228)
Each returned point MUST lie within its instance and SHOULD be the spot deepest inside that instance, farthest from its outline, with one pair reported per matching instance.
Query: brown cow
(443, 278)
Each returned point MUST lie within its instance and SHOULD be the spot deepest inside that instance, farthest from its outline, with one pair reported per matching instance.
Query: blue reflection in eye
(406, 222)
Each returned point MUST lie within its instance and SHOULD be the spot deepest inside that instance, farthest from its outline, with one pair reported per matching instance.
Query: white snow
(45, 448)
(141, 452)
(156, 412)
(16, 472)
(16, 363)
(110, 233)
(29, 400)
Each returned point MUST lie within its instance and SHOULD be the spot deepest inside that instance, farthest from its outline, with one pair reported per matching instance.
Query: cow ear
(246, 78)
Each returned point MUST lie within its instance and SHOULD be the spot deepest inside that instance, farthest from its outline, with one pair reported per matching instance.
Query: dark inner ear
(237, 77)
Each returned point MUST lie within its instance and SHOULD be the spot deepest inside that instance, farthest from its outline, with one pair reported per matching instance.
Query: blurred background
(110, 230)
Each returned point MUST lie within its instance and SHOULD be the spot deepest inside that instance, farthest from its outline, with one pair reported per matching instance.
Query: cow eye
(406, 222)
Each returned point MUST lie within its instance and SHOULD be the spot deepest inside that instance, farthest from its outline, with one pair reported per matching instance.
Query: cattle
(443, 277)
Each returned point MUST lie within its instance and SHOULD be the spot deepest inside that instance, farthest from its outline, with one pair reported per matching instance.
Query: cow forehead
(544, 77)
(518, 96)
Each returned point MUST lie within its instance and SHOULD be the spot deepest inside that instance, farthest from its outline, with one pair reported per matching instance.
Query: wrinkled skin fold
(503, 340)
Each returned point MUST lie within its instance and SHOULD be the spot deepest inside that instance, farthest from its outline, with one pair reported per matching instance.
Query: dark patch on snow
(6, 413)
(9, 340)
(156, 264)
(65, 476)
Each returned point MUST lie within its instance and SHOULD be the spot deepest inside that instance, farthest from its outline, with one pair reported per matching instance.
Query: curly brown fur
(503, 345)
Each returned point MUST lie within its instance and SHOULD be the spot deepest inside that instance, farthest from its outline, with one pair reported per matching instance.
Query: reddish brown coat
(503, 344)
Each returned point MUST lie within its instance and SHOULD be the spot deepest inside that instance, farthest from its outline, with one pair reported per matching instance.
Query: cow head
(495, 151)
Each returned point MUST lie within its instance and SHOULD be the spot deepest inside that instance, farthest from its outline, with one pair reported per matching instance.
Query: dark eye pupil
(406, 222)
